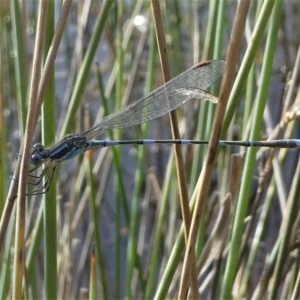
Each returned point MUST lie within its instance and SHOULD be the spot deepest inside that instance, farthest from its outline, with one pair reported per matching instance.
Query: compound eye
(36, 159)
(39, 147)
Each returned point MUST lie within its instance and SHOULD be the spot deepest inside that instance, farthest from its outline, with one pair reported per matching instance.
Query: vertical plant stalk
(181, 175)
(48, 136)
(242, 204)
(287, 223)
(42, 87)
(117, 153)
(205, 176)
(30, 124)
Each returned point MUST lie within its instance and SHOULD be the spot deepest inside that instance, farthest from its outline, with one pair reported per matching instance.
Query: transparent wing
(191, 84)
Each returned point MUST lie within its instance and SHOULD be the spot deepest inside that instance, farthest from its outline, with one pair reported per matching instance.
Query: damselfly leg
(35, 180)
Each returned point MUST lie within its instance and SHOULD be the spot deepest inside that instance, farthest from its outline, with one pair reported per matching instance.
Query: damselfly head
(37, 154)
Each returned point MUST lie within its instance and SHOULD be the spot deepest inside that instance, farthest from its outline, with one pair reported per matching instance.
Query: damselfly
(189, 85)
